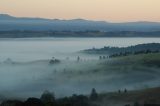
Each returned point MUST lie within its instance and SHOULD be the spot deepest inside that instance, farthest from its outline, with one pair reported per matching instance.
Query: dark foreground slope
(141, 97)
(145, 97)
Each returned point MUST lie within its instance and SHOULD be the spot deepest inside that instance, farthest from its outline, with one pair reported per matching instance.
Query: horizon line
(63, 19)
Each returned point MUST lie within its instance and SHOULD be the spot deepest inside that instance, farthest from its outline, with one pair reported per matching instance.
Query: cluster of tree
(70, 33)
(124, 51)
(48, 99)
(134, 53)
(102, 57)
(54, 61)
(125, 91)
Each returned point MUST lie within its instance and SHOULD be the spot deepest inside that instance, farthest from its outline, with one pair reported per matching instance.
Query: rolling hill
(20, 27)
(8, 22)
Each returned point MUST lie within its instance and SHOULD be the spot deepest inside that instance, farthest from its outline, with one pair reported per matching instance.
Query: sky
(106, 10)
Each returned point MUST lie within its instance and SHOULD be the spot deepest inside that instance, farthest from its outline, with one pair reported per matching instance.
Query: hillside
(38, 27)
(144, 96)
(133, 72)
(135, 49)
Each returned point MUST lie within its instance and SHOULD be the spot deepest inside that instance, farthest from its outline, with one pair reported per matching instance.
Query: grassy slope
(146, 65)
(151, 96)
(132, 72)
(142, 62)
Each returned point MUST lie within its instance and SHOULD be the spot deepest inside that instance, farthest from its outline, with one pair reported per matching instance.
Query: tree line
(48, 99)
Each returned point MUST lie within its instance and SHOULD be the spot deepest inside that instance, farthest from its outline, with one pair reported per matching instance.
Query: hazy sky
(109, 10)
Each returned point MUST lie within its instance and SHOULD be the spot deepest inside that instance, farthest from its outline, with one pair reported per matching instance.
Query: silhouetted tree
(100, 57)
(54, 61)
(33, 102)
(74, 100)
(78, 58)
(12, 103)
(79, 100)
(104, 57)
(119, 91)
(93, 95)
(64, 102)
(48, 98)
(125, 90)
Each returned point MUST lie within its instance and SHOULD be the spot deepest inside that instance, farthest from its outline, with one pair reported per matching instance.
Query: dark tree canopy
(94, 94)
(47, 97)
(33, 102)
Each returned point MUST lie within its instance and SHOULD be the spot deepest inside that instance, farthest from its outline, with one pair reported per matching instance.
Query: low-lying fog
(28, 49)
(31, 74)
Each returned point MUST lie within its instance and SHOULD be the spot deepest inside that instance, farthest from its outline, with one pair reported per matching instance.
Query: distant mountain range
(20, 27)
(8, 23)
